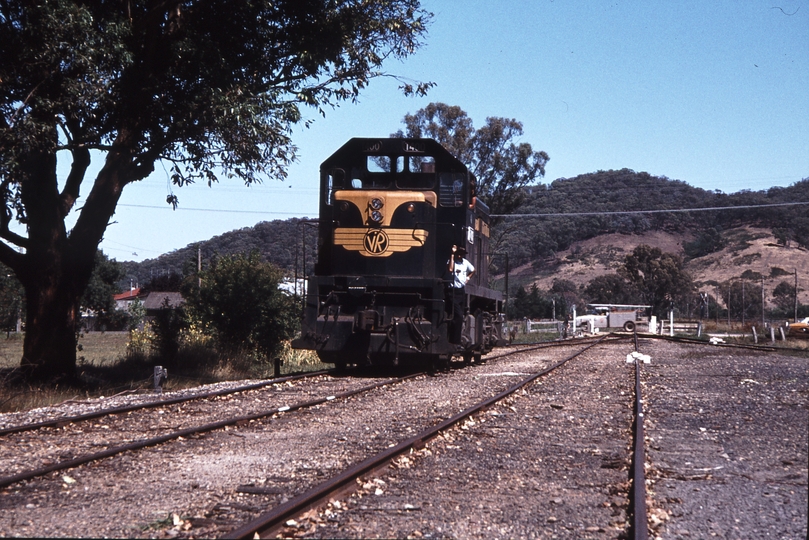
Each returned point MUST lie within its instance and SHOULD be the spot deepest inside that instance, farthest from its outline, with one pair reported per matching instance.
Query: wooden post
(755, 335)
(772, 334)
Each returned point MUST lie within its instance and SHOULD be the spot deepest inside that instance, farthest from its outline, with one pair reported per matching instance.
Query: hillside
(750, 250)
(285, 243)
(580, 228)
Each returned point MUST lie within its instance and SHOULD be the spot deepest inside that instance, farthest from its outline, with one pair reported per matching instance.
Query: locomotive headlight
(376, 204)
(411, 208)
(376, 215)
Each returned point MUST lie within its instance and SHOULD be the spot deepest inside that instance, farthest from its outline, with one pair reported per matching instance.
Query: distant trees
(553, 303)
(12, 299)
(707, 241)
(102, 287)
(611, 289)
(606, 193)
(784, 297)
(285, 243)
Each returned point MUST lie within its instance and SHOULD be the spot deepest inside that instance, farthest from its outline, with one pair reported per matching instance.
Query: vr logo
(376, 241)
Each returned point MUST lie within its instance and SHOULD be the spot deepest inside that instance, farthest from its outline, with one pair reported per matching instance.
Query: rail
(268, 523)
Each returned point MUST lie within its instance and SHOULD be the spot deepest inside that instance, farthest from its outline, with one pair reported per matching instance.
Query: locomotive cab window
(451, 189)
(379, 164)
(421, 173)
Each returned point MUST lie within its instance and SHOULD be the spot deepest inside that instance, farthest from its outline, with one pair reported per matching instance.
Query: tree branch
(81, 160)
(11, 258)
(5, 219)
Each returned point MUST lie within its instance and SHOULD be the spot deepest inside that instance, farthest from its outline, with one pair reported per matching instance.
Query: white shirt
(462, 271)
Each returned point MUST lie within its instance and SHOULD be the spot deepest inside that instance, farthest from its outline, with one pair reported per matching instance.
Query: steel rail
(60, 422)
(640, 529)
(694, 341)
(558, 343)
(267, 523)
(28, 475)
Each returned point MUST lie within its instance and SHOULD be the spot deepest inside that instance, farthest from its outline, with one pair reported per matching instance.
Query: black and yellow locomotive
(390, 212)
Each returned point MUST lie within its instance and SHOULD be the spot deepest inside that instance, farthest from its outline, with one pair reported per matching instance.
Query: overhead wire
(665, 211)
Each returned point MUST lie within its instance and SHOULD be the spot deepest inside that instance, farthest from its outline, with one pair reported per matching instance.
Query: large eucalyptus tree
(210, 87)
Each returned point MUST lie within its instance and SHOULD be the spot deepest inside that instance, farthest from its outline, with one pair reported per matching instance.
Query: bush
(240, 306)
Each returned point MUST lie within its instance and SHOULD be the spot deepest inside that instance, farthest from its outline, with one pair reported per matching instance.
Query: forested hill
(285, 243)
(601, 196)
(594, 204)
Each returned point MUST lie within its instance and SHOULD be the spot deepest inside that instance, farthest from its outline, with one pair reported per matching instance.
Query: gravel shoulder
(727, 438)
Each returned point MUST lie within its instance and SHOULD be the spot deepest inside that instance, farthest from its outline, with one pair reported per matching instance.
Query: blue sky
(713, 93)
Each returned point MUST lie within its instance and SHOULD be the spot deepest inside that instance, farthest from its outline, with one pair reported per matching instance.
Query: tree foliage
(210, 88)
(240, 305)
(103, 285)
(784, 296)
(285, 243)
(605, 196)
(554, 303)
(12, 299)
(659, 277)
(611, 289)
(500, 162)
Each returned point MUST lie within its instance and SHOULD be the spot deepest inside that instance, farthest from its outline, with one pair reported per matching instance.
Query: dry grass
(106, 367)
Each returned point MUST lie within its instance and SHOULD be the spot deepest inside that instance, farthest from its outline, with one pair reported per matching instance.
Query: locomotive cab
(390, 210)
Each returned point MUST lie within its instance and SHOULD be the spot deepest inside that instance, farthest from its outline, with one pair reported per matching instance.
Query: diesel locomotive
(390, 212)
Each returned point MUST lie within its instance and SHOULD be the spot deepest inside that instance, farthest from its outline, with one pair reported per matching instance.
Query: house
(123, 300)
(155, 301)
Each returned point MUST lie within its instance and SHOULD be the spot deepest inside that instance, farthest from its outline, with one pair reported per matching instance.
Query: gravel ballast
(726, 456)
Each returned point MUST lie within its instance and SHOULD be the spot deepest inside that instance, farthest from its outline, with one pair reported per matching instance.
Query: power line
(219, 210)
(671, 211)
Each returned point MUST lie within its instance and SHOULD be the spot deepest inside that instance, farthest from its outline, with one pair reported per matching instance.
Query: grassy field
(97, 348)
(106, 367)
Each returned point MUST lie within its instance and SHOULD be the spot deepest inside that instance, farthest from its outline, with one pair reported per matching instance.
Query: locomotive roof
(359, 146)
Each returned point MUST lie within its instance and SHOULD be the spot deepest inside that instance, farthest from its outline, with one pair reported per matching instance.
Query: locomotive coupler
(367, 319)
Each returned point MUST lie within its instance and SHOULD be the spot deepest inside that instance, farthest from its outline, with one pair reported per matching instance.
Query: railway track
(52, 463)
(310, 513)
(153, 401)
(73, 451)
(270, 523)
(539, 451)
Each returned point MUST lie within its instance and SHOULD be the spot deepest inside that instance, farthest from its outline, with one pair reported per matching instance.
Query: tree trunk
(52, 322)
(56, 266)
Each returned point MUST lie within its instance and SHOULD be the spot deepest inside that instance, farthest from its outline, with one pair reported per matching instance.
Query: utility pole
(729, 291)
(744, 306)
(199, 267)
(796, 296)
(505, 307)
(763, 323)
